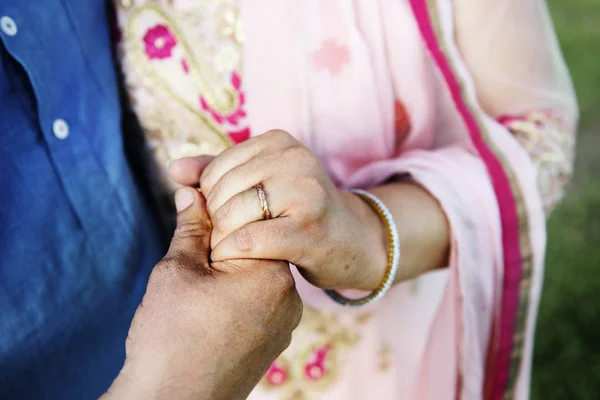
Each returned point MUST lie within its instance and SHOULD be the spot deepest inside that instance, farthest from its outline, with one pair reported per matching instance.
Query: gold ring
(263, 201)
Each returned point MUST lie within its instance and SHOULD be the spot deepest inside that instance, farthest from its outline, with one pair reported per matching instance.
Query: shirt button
(60, 129)
(8, 26)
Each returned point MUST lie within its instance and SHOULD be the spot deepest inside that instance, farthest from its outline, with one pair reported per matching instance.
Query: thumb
(186, 171)
(190, 245)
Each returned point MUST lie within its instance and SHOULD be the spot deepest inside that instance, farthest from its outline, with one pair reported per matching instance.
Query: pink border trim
(513, 260)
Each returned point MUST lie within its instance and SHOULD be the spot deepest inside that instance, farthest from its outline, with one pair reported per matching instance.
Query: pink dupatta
(474, 337)
(491, 112)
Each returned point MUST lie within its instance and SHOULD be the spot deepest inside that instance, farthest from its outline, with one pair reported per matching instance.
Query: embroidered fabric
(523, 82)
(183, 66)
(183, 69)
(182, 63)
(552, 149)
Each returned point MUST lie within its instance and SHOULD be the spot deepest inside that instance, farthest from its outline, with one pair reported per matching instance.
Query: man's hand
(206, 331)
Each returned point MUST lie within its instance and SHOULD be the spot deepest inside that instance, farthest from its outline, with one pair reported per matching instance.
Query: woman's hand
(332, 236)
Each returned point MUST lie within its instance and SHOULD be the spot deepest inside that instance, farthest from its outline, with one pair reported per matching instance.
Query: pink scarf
(332, 73)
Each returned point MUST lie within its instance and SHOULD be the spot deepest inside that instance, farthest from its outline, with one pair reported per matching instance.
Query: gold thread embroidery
(315, 359)
(226, 101)
(363, 318)
(181, 114)
(221, 105)
(551, 148)
(232, 25)
(385, 354)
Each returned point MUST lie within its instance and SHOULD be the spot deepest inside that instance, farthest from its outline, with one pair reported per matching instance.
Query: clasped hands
(221, 305)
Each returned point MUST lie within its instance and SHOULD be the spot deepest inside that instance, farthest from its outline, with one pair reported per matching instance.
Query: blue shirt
(79, 232)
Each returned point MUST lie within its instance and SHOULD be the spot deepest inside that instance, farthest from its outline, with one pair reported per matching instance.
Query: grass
(567, 351)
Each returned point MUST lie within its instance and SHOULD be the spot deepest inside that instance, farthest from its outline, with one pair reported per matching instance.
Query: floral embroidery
(159, 42)
(182, 66)
(315, 369)
(550, 145)
(232, 116)
(331, 56)
(277, 374)
(239, 136)
(314, 359)
(232, 25)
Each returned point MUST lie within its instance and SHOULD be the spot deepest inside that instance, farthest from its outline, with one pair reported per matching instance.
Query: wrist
(136, 383)
(373, 242)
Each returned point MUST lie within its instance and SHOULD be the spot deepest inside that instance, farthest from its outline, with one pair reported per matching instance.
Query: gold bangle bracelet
(393, 260)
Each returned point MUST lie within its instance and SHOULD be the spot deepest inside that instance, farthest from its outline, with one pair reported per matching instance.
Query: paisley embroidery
(233, 115)
(551, 147)
(186, 89)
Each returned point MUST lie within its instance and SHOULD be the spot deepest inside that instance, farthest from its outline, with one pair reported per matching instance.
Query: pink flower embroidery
(315, 369)
(240, 136)
(159, 42)
(233, 117)
(331, 56)
(276, 375)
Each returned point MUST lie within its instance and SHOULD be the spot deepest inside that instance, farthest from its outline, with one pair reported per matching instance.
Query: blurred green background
(567, 351)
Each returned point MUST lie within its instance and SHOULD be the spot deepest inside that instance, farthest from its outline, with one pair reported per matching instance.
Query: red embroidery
(185, 66)
(276, 375)
(234, 116)
(315, 369)
(159, 42)
(239, 136)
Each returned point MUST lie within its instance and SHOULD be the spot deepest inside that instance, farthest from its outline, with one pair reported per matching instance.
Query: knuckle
(320, 199)
(243, 240)
(222, 216)
(215, 193)
(278, 134)
(205, 178)
(187, 229)
(178, 265)
(297, 153)
(211, 205)
(317, 202)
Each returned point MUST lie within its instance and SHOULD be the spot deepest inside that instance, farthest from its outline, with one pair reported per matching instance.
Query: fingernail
(183, 199)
